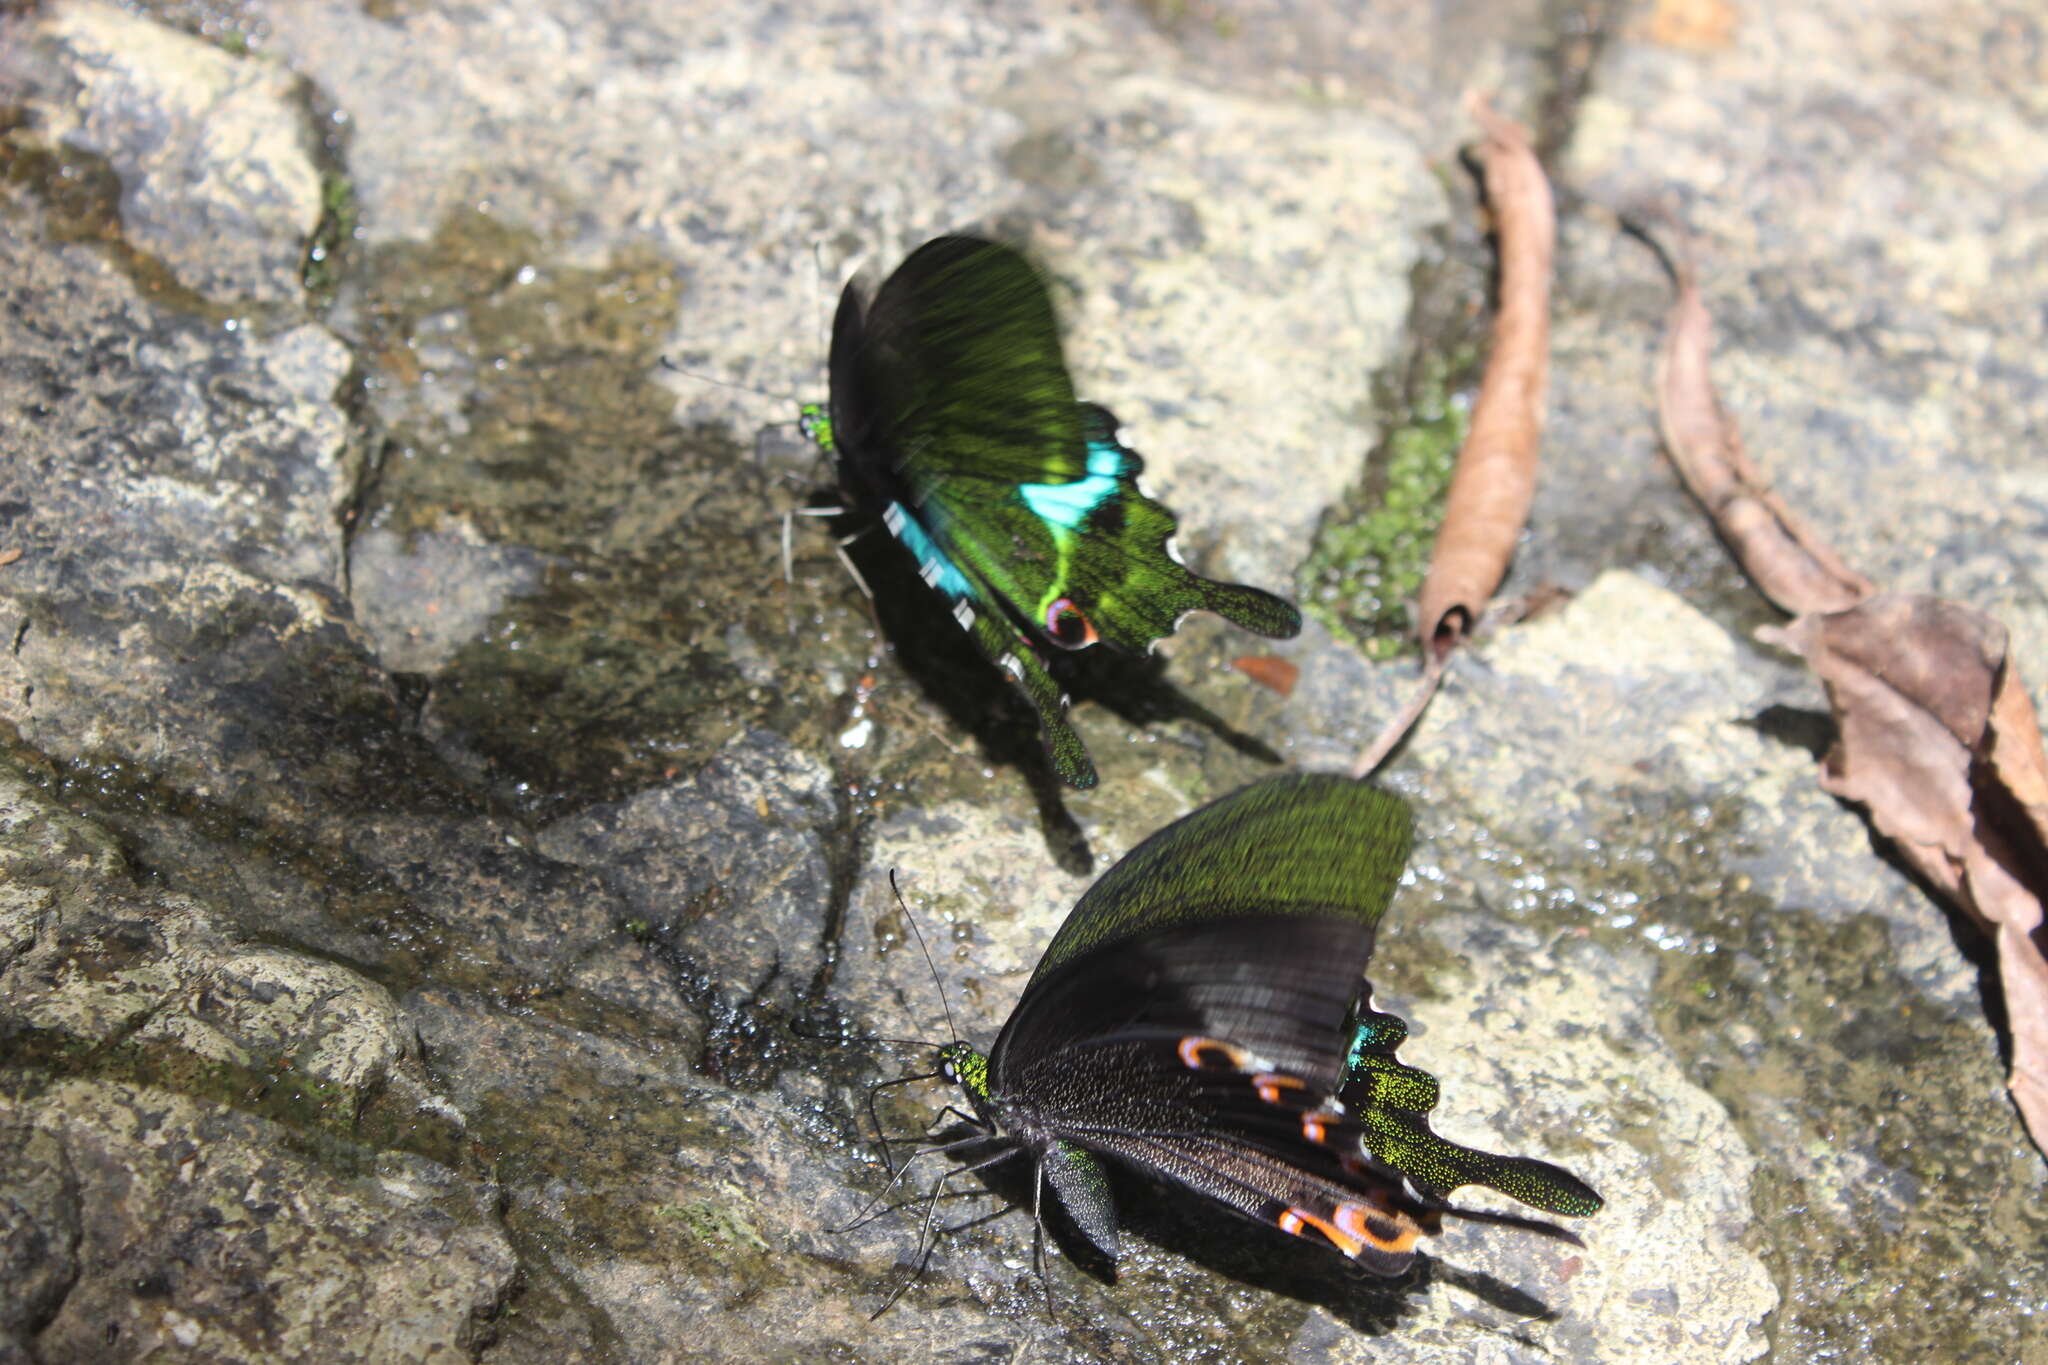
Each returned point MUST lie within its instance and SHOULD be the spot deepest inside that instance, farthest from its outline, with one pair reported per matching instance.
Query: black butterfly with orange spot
(1203, 1017)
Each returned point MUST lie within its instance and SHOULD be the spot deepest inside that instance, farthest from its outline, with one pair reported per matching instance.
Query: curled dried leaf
(1787, 560)
(1938, 740)
(1495, 479)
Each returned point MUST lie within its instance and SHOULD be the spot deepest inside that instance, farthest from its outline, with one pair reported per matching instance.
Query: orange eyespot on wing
(1385, 1228)
(1212, 1054)
(1358, 1228)
(1067, 626)
(1277, 1088)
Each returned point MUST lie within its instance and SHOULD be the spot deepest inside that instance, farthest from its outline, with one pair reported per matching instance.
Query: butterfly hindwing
(1392, 1102)
(1205, 1114)
(1085, 559)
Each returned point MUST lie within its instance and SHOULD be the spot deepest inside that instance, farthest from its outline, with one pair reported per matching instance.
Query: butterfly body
(953, 420)
(1202, 1016)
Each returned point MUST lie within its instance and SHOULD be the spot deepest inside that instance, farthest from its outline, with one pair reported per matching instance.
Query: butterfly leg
(839, 548)
(925, 1237)
(869, 1211)
(1038, 1239)
(875, 1119)
(959, 1114)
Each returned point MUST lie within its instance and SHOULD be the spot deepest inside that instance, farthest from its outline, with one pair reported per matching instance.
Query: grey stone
(213, 150)
(422, 598)
(164, 1092)
(746, 830)
(441, 841)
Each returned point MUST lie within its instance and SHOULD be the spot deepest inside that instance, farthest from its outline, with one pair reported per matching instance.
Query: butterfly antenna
(869, 1038)
(818, 296)
(754, 389)
(911, 920)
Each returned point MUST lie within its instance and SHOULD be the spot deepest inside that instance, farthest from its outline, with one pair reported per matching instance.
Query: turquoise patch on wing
(932, 565)
(1068, 504)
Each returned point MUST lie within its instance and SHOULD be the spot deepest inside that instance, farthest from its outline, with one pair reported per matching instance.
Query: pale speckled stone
(423, 597)
(986, 902)
(212, 149)
(1544, 1047)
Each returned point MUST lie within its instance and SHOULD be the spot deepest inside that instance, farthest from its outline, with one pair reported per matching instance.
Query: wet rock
(422, 598)
(39, 1233)
(747, 831)
(201, 1225)
(191, 1127)
(441, 817)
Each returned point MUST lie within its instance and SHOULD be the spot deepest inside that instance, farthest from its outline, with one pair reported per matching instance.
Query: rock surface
(437, 840)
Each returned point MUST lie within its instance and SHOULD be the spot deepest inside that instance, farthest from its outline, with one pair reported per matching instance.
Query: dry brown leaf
(1269, 670)
(1939, 743)
(1938, 740)
(1395, 730)
(1495, 478)
(1787, 561)
(9, 555)
(1692, 25)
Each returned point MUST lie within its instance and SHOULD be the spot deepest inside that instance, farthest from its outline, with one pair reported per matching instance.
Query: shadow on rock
(976, 698)
(1217, 1239)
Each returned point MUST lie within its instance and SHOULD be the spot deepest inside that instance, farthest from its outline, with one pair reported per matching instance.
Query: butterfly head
(816, 424)
(965, 1067)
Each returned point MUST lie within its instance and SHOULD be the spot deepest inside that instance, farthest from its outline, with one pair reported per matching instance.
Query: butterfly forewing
(1250, 919)
(956, 367)
(1301, 847)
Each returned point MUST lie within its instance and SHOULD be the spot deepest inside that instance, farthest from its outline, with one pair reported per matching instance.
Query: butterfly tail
(1010, 652)
(1391, 1102)
(1254, 609)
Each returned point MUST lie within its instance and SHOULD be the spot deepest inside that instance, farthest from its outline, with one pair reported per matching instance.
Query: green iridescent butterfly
(1203, 1016)
(953, 417)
